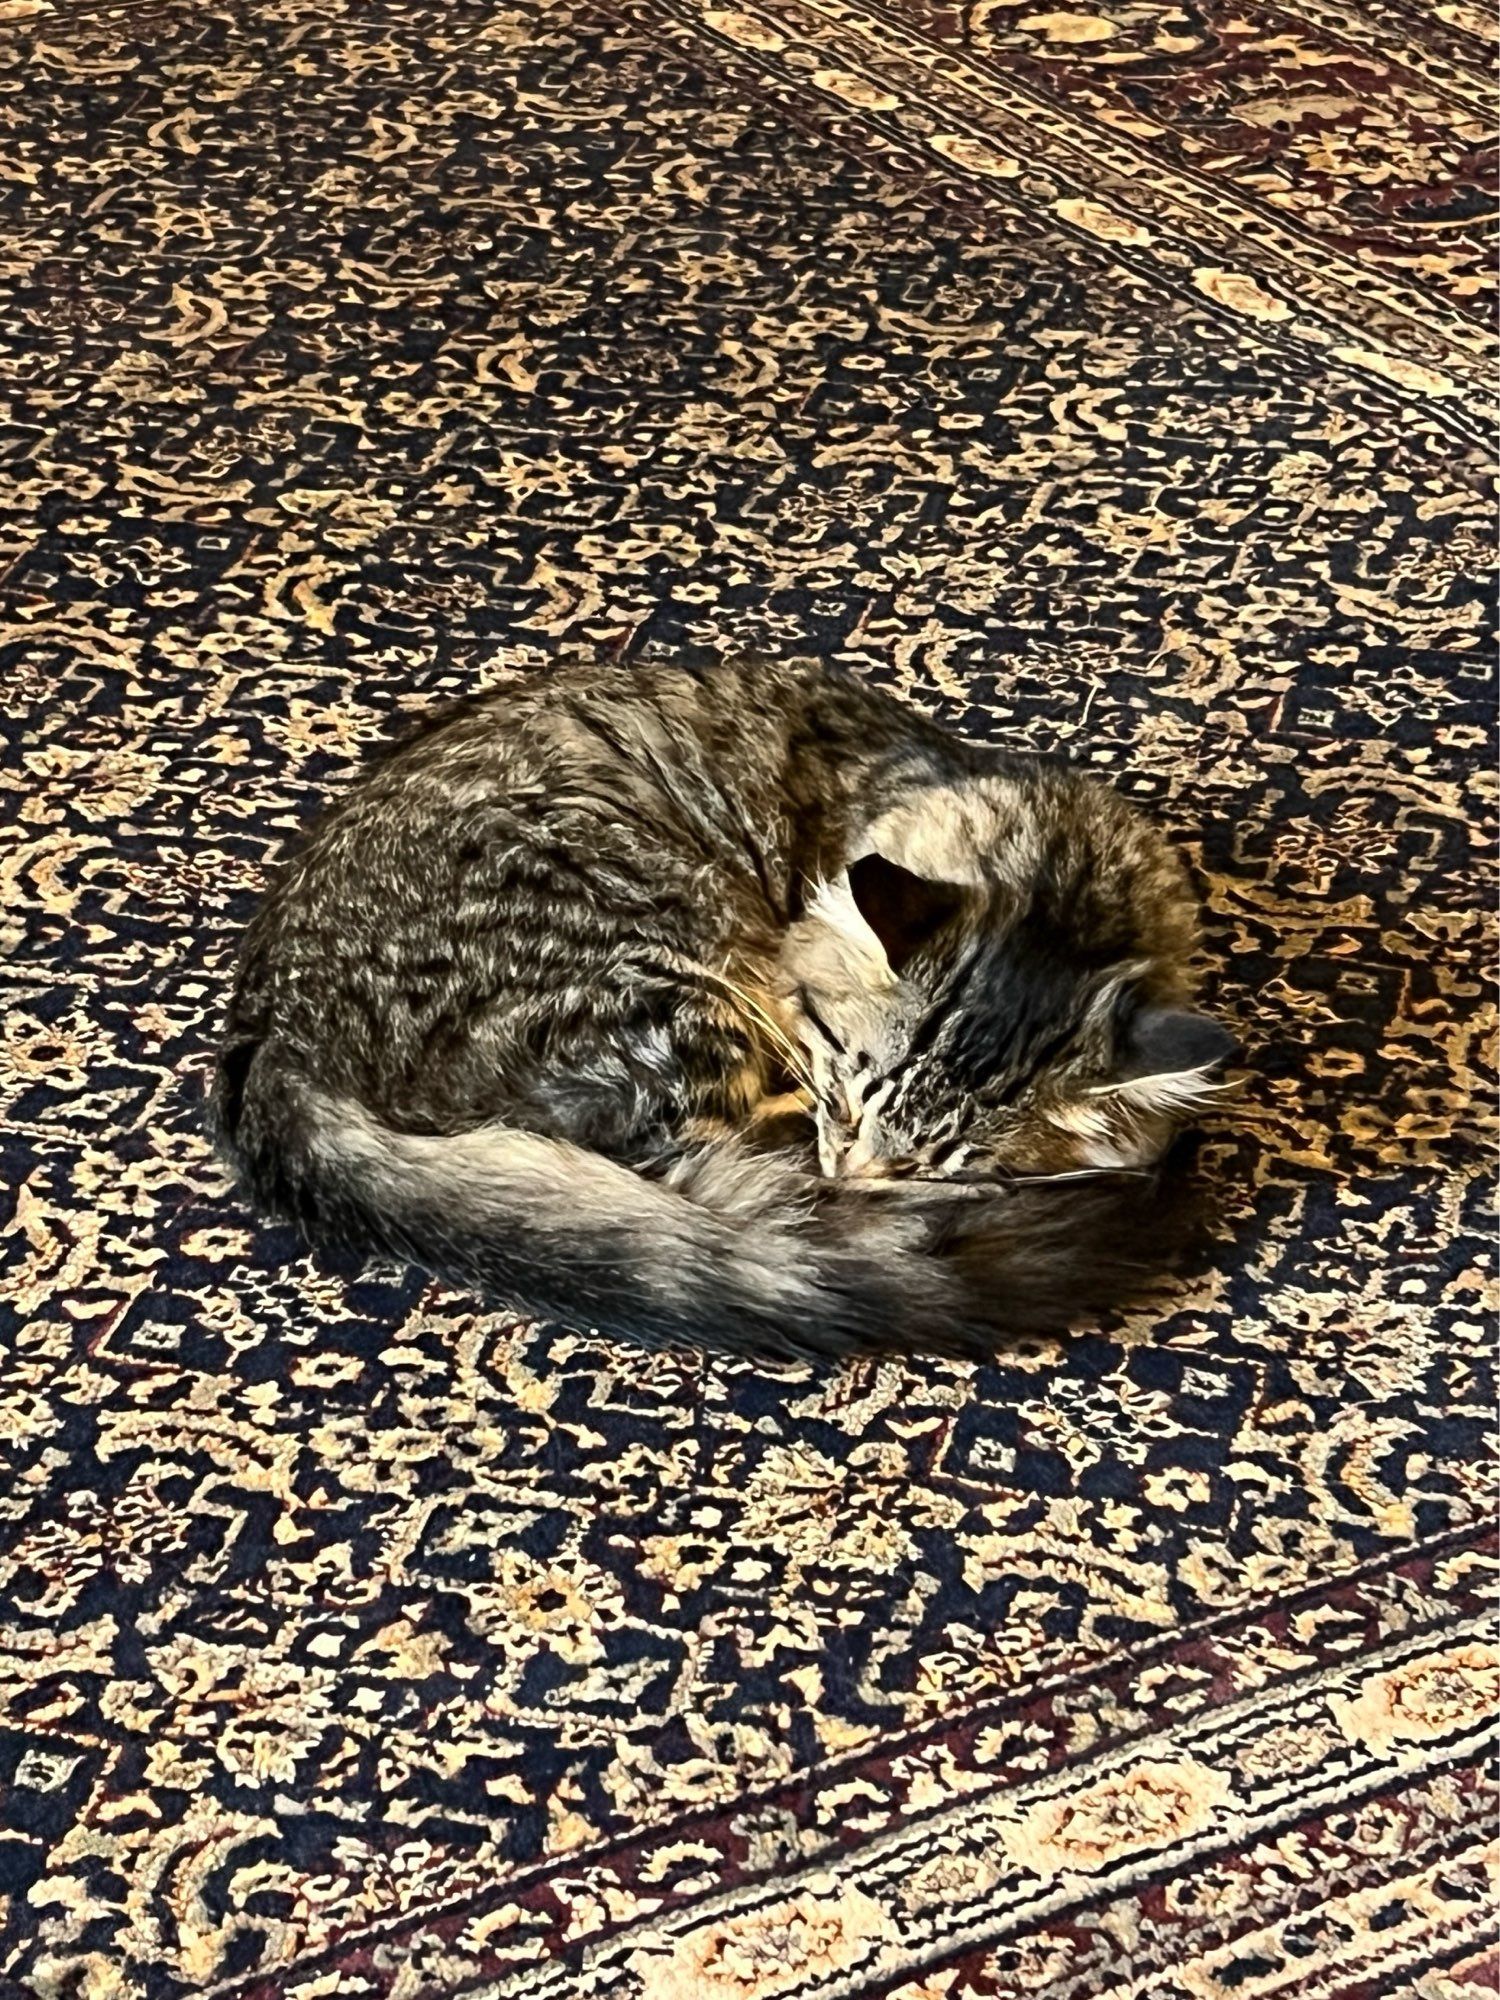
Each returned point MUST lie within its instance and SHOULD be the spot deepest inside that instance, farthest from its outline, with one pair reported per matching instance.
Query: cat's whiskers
(794, 1058)
(982, 1184)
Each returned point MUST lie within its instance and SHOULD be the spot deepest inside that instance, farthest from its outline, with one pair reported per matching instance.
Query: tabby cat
(738, 1006)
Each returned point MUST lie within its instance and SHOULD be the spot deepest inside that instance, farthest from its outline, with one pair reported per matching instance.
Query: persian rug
(1107, 376)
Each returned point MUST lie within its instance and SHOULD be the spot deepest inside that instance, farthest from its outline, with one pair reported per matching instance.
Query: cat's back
(549, 815)
(534, 744)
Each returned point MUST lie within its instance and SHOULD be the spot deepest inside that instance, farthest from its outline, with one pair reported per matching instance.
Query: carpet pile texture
(1107, 376)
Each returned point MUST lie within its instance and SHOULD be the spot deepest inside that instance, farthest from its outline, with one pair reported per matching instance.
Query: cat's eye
(811, 1014)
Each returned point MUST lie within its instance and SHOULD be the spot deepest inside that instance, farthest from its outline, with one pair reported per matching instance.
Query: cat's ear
(1171, 1061)
(1169, 1041)
(904, 910)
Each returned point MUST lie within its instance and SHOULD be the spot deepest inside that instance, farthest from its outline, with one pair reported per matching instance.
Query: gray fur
(739, 1005)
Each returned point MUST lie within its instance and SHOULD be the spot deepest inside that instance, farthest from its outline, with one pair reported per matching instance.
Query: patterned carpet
(1103, 374)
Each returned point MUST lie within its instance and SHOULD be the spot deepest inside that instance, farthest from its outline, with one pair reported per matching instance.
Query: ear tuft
(904, 910)
(1165, 1041)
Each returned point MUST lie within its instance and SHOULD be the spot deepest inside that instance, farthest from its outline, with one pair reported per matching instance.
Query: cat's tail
(726, 1249)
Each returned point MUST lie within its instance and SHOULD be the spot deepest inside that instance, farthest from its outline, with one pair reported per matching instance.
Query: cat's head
(997, 985)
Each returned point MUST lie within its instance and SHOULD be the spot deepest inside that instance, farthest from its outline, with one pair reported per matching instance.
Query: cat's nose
(861, 1160)
(864, 1161)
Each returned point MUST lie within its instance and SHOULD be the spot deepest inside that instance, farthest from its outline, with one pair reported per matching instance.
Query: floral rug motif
(1105, 376)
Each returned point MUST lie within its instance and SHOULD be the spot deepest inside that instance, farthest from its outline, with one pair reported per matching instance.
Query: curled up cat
(737, 1006)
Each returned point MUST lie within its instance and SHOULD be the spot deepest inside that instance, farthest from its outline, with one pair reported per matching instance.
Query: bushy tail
(727, 1249)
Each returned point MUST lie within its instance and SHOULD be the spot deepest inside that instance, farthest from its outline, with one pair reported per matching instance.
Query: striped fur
(736, 1005)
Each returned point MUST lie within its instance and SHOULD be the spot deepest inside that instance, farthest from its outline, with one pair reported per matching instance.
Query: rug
(1104, 376)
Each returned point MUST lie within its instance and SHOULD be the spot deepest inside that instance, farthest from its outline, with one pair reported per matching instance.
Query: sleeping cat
(738, 1006)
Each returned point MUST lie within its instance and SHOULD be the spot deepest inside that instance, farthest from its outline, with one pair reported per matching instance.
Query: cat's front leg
(783, 1122)
(786, 1122)
(786, 1104)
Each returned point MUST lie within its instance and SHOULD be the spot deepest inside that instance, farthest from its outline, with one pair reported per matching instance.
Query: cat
(735, 1005)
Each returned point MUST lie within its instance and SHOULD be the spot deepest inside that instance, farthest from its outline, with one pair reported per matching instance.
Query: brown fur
(633, 994)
